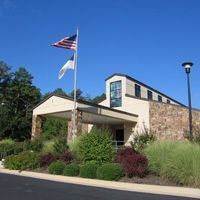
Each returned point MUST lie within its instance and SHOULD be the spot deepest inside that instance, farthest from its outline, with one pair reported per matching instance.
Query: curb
(131, 187)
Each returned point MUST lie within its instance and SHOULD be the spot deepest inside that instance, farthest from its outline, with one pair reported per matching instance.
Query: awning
(61, 107)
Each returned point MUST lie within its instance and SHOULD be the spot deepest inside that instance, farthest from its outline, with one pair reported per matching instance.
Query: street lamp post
(187, 66)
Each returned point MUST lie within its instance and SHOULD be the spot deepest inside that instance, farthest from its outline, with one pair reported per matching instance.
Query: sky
(145, 39)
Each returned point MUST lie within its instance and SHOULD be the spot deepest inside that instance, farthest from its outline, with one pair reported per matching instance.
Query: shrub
(60, 145)
(18, 147)
(71, 170)
(95, 146)
(67, 157)
(88, 170)
(110, 171)
(56, 167)
(53, 128)
(133, 163)
(123, 153)
(46, 159)
(143, 140)
(6, 147)
(177, 161)
(48, 147)
(34, 145)
(22, 161)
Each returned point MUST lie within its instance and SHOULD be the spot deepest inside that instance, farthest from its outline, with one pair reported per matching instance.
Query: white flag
(68, 65)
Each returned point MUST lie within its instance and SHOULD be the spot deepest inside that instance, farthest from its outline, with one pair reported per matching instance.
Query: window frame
(137, 89)
(148, 93)
(115, 98)
(160, 98)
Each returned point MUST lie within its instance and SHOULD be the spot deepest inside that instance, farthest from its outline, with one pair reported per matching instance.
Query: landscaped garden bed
(92, 156)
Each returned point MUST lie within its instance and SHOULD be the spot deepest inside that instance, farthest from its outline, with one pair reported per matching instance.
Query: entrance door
(119, 136)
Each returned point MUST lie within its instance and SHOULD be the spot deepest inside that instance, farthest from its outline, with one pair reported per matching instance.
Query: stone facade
(170, 121)
(36, 126)
(81, 127)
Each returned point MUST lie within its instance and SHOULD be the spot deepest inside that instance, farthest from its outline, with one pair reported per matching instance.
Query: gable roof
(145, 85)
(83, 102)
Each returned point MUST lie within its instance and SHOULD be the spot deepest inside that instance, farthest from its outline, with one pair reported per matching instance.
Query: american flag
(67, 43)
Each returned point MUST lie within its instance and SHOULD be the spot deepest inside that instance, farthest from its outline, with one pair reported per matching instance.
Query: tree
(80, 95)
(99, 98)
(5, 78)
(18, 100)
(58, 91)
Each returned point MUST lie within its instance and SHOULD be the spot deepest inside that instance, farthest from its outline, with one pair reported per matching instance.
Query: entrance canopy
(61, 107)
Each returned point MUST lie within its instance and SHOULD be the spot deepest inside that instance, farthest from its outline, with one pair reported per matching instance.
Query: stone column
(81, 127)
(69, 132)
(36, 126)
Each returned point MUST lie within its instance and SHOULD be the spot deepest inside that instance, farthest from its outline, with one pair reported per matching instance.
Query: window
(168, 101)
(159, 98)
(115, 94)
(149, 95)
(137, 90)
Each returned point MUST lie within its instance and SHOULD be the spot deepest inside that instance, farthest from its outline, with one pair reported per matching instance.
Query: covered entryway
(88, 114)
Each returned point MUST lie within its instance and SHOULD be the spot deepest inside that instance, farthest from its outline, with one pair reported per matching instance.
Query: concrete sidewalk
(153, 189)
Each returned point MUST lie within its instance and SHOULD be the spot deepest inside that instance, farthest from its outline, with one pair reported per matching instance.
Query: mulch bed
(41, 170)
(149, 179)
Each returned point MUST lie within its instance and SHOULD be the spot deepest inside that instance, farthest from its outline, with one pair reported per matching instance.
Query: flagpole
(75, 89)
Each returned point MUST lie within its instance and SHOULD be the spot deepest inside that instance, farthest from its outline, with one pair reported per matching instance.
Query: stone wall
(169, 121)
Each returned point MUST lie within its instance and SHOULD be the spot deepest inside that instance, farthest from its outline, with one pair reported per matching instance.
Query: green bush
(6, 147)
(60, 145)
(56, 167)
(110, 171)
(177, 161)
(71, 170)
(33, 145)
(48, 147)
(53, 128)
(18, 147)
(143, 140)
(95, 146)
(22, 161)
(88, 170)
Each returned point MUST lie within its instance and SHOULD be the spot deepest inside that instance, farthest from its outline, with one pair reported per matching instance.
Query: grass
(7, 141)
(176, 161)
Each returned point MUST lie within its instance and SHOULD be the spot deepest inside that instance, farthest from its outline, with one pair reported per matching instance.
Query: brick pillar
(36, 126)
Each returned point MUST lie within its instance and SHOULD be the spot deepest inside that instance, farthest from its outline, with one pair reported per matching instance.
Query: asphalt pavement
(14, 187)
